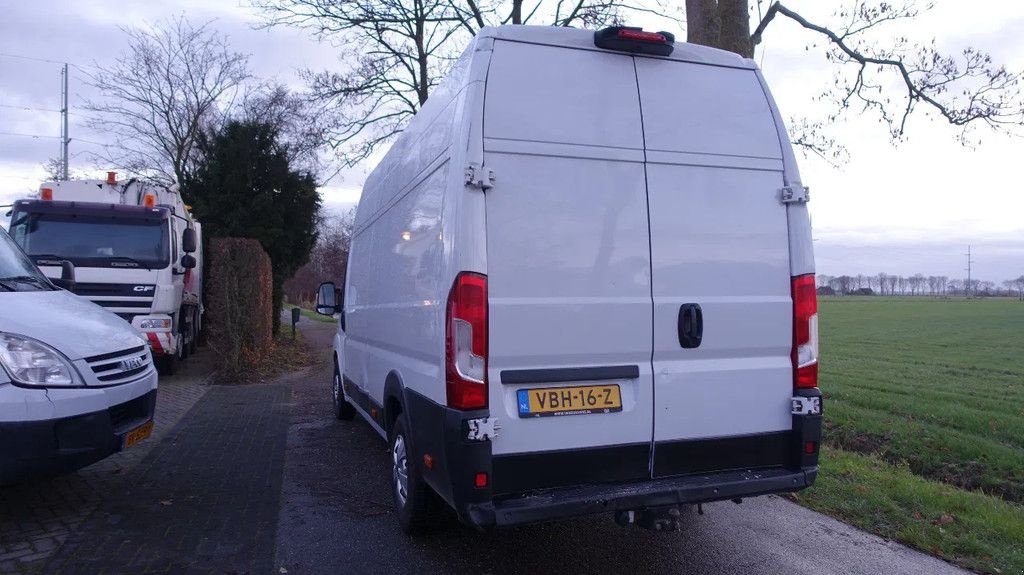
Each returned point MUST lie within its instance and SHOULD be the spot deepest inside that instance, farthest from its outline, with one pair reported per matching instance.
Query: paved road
(260, 479)
(336, 518)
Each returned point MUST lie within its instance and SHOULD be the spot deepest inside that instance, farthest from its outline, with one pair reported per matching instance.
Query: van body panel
(705, 110)
(569, 287)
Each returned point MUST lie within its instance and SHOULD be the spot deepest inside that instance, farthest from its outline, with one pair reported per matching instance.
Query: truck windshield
(17, 273)
(94, 241)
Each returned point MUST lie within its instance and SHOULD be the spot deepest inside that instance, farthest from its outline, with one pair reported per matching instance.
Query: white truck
(136, 249)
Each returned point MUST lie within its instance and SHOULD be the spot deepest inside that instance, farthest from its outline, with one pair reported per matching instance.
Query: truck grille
(119, 366)
(121, 299)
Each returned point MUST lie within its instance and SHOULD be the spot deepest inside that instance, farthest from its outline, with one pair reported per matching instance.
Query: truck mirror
(188, 261)
(67, 276)
(188, 241)
(326, 299)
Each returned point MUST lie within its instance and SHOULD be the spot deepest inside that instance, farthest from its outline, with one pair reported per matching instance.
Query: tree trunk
(702, 22)
(734, 16)
(723, 24)
(517, 11)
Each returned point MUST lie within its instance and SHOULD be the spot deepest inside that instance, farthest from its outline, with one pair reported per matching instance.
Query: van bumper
(54, 446)
(586, 500)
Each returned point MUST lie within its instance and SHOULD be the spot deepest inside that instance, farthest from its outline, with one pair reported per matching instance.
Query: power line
(27, 135)
(29, 108)
(35, 59)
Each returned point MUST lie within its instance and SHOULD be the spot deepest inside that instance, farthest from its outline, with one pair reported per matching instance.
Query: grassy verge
(309, 314)
(924, 419)
(970, 529)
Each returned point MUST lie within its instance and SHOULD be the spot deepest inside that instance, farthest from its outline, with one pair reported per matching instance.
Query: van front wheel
(343, 410)
(415, 501)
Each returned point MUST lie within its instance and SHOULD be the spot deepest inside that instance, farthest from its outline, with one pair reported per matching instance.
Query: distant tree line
(918, 285)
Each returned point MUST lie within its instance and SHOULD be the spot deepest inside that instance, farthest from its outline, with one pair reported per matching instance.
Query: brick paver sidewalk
(37, 517)
(205, 500)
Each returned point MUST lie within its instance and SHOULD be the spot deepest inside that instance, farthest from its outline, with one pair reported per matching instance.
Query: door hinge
(479, 177)
(795, 194)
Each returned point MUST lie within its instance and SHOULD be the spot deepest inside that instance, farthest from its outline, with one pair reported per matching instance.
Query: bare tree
(172, 80)
(965, 89)
(394, 52)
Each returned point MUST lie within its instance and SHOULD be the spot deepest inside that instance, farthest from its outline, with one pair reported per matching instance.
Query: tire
(193, 342)
(416, 504)
(167, 364)
(181, 346)
(343, 410)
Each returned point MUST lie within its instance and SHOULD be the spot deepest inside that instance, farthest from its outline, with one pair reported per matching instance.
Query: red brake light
(466, 342)
(805, 332)
(480, 481)
(641, 36)
(46, 194)
(634, 40)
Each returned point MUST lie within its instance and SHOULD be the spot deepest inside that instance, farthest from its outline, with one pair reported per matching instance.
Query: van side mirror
(67, 276)
(188, 261)
(188, 241)
(327, 299)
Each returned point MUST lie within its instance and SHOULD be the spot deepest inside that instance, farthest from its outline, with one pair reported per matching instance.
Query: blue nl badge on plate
(524, 401)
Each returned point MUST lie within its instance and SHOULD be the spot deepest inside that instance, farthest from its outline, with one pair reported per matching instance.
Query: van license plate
(551, 401)
(138, 434)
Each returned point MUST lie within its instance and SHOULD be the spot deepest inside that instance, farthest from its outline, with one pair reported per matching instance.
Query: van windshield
(17, 272)
(94, 241)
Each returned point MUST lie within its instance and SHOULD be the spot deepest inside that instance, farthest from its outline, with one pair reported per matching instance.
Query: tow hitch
(660, 519)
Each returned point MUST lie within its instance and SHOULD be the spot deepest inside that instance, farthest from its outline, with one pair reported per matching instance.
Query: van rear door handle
(691, 325)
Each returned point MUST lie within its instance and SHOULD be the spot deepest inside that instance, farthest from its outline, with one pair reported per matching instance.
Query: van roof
(584, 40)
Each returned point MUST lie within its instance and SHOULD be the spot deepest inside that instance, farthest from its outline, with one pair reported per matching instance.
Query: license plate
(553, 401)
(138, 434)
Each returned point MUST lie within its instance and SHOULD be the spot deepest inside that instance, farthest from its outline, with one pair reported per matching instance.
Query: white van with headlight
(77, 383)
(582, 281)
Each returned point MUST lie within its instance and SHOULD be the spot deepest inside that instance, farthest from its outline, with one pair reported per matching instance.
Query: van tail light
(46, 194)
(805, 332)
(466, 342)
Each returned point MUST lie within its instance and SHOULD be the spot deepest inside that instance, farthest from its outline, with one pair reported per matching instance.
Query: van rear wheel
(415, 501)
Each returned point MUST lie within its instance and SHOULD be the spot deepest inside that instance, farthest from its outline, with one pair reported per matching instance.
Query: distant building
(863, 291)
(826, 290)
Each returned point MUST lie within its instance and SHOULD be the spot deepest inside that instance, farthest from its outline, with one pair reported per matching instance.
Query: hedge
(239, 290)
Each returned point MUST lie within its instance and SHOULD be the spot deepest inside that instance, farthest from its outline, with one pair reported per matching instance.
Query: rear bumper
(553, 485)
(54, 446)
(585, 500)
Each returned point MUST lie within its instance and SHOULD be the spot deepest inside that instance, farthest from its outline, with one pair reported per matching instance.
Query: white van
(582, 281)
(77, 383)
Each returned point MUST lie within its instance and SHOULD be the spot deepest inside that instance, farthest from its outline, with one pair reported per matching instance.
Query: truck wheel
(415, 501)
(193, 341)
(182, 347)
(167, 364)
(343, 410)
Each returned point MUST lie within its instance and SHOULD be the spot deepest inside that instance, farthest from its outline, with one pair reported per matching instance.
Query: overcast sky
(900, 209)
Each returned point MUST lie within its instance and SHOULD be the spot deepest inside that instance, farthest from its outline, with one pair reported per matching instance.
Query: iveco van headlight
(31, 362)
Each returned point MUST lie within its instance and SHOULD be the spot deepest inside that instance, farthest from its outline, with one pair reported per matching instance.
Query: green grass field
(925, 424)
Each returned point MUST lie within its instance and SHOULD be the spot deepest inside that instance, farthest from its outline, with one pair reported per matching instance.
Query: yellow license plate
(138, 434)
(578, 400)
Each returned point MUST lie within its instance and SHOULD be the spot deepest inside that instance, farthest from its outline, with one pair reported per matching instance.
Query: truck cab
(136, 250)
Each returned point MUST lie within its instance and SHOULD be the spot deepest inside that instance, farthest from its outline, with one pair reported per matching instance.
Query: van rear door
(723, 375)
(568, 266)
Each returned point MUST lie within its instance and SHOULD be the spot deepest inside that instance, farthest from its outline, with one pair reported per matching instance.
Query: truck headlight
(158, 323)
(32, 362)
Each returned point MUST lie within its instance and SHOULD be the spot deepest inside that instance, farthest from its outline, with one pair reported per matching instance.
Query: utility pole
(64, 139)
(967, 288)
